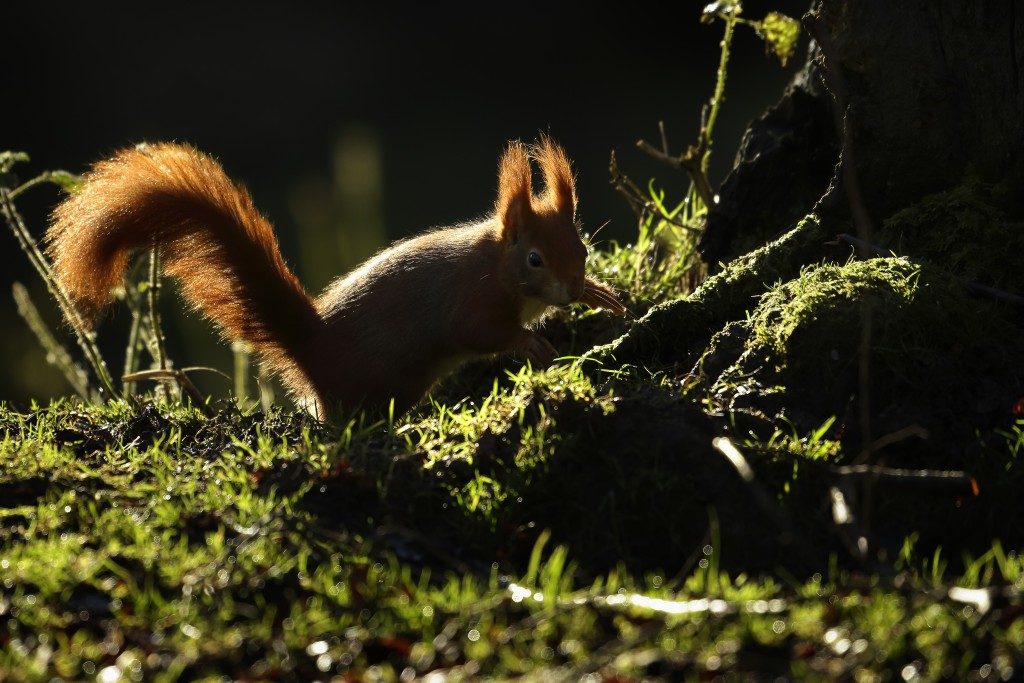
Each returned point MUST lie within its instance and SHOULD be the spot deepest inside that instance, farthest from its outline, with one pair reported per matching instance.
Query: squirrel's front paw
(538, 351)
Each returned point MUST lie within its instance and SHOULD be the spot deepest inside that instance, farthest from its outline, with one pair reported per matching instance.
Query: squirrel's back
(398, 315)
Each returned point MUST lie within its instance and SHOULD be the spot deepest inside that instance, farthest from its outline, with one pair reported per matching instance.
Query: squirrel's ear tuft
(561, 187)
(515, 189)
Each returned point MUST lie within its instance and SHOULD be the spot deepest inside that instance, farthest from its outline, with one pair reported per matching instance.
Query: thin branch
(62, 178)
(131, 350)
(932, 479)
(56, 354)
(159, 352)
(994, 293)
(689, 162)
(708, 120)
(626, 187)
(68, 309)
(242, 353)
(899, 435)
(664, 137)
(638, 200)
(181, 378)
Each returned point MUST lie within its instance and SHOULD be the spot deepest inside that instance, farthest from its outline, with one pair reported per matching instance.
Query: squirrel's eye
(534, 260)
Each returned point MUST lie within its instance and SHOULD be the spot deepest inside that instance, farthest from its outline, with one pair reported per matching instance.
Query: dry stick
(183, 381)
(56, 354)
(636, 199)
(70, 312)
(242, 353)
(689, 162)
(134, 334)
(626, 187)
(61, 178)
(940, 479)
(696, 159)
(160, 355)
(856, 536)
(709, 119)
(994, 293)
(845, 521)
(899, 435)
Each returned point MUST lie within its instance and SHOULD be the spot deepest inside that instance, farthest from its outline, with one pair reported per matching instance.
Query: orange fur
(515, 187)
(387, 330)
(212, 239)
(558, 178)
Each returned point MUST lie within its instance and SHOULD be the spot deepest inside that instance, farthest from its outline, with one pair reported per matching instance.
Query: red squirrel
(386, 331)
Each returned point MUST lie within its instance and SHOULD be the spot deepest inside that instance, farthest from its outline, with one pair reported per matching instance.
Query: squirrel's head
(544, 251)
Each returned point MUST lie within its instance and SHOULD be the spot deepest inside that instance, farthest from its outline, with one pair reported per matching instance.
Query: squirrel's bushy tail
(212, 238)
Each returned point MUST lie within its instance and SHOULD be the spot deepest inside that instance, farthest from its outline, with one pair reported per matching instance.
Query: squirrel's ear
(561, 187)
(515, 189)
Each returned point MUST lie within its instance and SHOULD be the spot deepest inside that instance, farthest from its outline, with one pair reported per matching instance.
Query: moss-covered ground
(577, 522)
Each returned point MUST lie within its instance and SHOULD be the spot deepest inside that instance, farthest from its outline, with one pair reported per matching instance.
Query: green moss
(824, 303)
(963, 230)
(928, 338)
(675, 330)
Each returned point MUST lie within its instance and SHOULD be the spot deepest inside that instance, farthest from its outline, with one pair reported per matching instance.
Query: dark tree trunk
(935, 93)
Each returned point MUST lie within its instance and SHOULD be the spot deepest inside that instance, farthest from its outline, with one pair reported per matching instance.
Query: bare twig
(626, 187)
(62, 178)
(56, 354)
(638, 200)
(855, 534)
(67, 307)
(845, 521)
(937, 479)
(180, 376)
(242, 352)
(899, 435)
(994, 293)
(131, 350)
(153, 292)
(690, 162)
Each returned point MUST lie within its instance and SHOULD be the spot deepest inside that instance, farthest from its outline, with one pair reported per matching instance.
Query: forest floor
(588, 520)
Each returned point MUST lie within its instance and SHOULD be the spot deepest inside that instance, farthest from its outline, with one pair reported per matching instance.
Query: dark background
(355, 126)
